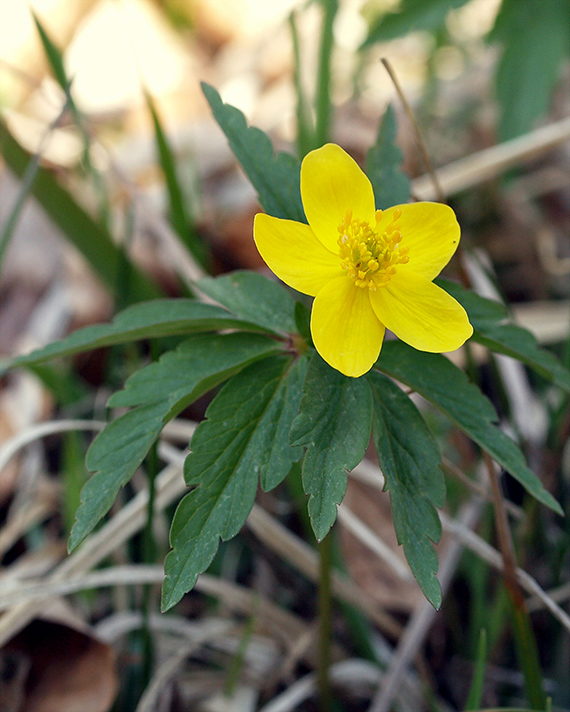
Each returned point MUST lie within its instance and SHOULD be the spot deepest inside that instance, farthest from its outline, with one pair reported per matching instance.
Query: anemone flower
(369, 270)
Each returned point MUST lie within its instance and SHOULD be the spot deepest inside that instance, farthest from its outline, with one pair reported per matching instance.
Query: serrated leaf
(114, 456)
(334, 423)
(198, 363)
(278, 456)
(253, 297)
(160, 391)
(383, 164)
(412, 15)
(494, 330)
(536, 38)
(439, 381)
(276, 178)
(228, 451)
(162, 317)
(410, 459)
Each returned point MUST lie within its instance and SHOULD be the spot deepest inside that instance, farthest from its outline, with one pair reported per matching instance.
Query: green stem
(305, 133)
(149, 555)
(149, 549)
(325, 619)
(527, 653)
(323, 98)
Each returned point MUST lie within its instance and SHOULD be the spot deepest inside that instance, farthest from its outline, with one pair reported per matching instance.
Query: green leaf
(383, 164)
(229, 449)
(334, 422)
(254, 298)
(535, 38)
(494, 330)
(90, 237)
(275, 177)
(410, 459)
(53, 54)
(193, 368)
(161, 391)
(412, 15)
(115, 455)
(439, 381)
(149, 320)
(278, 456)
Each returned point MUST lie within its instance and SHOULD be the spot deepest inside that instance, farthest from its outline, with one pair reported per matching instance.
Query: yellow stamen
(368, 255)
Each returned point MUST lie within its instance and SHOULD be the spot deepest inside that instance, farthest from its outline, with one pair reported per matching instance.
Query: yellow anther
(368, 255)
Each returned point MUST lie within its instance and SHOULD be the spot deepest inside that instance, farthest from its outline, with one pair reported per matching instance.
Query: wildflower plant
(311, 389)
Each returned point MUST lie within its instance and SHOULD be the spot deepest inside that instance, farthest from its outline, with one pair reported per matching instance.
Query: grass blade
(179, 216)
(323, 97)
(90, 237)
(476, 690)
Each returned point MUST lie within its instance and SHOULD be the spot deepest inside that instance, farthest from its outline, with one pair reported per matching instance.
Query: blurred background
(108, 151)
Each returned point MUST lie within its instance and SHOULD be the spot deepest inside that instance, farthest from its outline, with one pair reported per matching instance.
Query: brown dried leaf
(66, 668)
(369, 571)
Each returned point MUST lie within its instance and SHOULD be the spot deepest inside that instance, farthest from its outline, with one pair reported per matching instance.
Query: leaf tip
(169, 597)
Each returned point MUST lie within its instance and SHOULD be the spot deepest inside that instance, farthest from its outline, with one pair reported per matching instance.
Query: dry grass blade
(370, 539)
(181, 259)
(422, 619)
(19, 591)
(131, 518)
(479, 546)
(300, 555)
(487, 553)
(26, 517)
(168, 669)
(485, 165)
(347, 673)
(35, 432)
(476, 488)
(558, 595)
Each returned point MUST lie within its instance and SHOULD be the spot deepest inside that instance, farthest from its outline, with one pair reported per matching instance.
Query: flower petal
(421, 313)
(291, 250)
(345, 330)
(331, 184)
(432, 233)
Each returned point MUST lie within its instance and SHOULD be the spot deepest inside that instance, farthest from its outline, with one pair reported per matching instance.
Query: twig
(418, 134)
(504, 534)
(523, 633)
(453, 470)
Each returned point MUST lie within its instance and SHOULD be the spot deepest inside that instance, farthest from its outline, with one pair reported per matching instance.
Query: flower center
(368, 256)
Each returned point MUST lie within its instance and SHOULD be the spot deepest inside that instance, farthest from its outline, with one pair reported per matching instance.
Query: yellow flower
(369, 270)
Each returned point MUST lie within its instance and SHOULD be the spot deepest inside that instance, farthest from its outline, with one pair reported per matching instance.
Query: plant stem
(323, 96)
(305, 131)
(325, 563)
(149, 556)
(525, 642)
